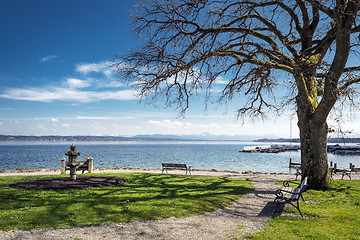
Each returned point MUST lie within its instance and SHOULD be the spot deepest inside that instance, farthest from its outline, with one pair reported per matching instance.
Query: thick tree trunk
(314, 163)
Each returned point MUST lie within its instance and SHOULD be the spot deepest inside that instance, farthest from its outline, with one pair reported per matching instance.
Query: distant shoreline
(74, 138)
(156, 138)
(145, 138)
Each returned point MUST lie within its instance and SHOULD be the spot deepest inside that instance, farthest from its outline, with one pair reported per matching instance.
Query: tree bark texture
(314, 163)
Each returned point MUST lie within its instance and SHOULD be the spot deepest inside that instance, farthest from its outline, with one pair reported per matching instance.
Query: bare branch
(186, 45)
(323, 8)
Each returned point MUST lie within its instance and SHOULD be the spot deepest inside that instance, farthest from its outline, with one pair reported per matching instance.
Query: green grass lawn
(143, 197)
(332, 214)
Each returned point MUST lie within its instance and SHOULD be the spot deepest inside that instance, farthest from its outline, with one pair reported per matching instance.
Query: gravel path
(245, 215)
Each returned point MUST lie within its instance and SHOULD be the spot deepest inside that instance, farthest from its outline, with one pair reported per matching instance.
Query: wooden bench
(175, 166)
(84, 165)
(344, 171)
(289, 194)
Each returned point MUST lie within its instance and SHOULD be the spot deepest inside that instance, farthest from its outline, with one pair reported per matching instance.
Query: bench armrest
(280, 193)
(287, 183)
(286, 191)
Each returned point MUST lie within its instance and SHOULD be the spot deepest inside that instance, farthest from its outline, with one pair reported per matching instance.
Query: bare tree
(186, 45)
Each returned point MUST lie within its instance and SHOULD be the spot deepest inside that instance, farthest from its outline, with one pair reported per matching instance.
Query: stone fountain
(72, 163)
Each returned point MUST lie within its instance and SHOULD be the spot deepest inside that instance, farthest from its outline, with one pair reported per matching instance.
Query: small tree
(186, 45)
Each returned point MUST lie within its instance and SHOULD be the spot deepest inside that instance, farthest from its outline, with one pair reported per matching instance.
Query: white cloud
(65, 125)
(48, 58)
(107, 80)
(93, 118)
(118, 95)
(64, 94)
(54, 120)
(30, 94)
(77, 83)
(70, 87)
(221, 80)
(169, 124)
(42, 127)
(102, 118)
(87, 68)
(154, 122)
(210, 126)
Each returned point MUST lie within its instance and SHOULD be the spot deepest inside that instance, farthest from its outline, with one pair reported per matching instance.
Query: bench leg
(297, 206)
(347, 174)
(302, 198)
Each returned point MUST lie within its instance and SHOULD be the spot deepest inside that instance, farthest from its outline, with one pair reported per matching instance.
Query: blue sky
(55, 80)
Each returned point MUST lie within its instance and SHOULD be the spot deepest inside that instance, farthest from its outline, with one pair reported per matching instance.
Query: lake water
(199, 155)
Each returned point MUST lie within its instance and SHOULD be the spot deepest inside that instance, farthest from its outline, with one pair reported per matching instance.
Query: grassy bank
(332, 214)
(143, 197)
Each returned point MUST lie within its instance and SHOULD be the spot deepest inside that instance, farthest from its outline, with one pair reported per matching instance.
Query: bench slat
(172, 166)
(290, 194)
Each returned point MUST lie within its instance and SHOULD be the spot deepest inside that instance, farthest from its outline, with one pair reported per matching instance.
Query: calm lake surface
(199, 155)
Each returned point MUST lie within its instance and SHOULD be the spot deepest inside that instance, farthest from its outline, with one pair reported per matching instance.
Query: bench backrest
(303, 184)
(296, 192)
(174, 165)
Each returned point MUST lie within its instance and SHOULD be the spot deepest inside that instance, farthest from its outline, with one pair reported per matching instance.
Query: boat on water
(254, 149)
(274, 148)
(286, 147)
(343, 150)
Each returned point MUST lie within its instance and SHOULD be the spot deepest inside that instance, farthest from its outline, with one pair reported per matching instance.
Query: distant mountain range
(161, 137)
(197, 137)
(297, 140)
(61, 138)
(154, 137)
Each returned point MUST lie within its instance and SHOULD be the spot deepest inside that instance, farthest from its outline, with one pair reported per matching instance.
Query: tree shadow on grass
(142, 197)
